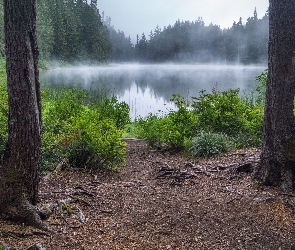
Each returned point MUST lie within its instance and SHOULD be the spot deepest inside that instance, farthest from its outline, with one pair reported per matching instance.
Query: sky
(141, 16)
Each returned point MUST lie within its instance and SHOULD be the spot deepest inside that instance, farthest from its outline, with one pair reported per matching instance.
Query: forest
(78, 31)
(195, 42)
(188, 179)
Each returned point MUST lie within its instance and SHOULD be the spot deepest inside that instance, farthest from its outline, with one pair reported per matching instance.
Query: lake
(148, 88)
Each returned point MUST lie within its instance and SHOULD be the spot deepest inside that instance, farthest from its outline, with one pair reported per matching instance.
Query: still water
(148, 88)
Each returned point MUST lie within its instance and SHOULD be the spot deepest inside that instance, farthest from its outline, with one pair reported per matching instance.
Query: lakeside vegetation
(84, 131)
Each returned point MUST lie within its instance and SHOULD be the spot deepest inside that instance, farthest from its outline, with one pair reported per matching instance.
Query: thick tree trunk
(19, 175)
(278, 142)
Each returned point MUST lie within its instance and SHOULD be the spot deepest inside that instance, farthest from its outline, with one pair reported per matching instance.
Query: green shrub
(220, 112)
(116, 111)
(3, 115)
(131, 130)
(100, 142)
(171, 136)
(251, 135)
(86, 135)
(208, 144)
(149, 128)
(80, 153)
(170, 131)
(261, 88)
(226, 112)
(183, 118)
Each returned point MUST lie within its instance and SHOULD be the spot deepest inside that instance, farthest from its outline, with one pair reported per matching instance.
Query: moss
(67, 208)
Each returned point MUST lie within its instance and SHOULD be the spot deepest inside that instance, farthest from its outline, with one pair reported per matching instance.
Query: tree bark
(19, 174)
(278, 141)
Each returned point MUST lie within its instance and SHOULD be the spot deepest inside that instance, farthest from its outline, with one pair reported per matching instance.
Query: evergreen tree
(44, 29)
(121, 46)
(143, 48)
(72, 30)
(277, 167)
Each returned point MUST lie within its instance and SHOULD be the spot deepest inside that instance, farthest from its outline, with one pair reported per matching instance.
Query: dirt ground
(163, 201)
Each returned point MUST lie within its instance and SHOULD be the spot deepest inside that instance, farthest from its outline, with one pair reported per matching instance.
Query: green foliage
(3, 114)
(220, 116)
(150, 128)
(170, 131)
(261, 87)
(210, 144)
(3, 68)
(117, 111)
(59, 113)
(225, 112)
(131, 130)
(220, 112)
(101, 141)
(197, 42)
(87, 135)
(44, 30)
(71, 31)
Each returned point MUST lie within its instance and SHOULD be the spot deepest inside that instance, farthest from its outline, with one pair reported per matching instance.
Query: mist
(147, 88)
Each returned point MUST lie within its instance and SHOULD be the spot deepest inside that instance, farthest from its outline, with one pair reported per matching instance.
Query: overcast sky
(138, 16)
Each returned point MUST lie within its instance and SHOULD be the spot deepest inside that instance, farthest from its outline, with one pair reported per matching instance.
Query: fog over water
(148, 88)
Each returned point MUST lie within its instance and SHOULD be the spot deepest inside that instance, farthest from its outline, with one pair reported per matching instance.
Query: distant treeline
(195, 42)
(74, 30)
(68, 30)
(71, 30)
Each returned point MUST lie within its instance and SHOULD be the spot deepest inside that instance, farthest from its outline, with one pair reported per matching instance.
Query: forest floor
(163, 201)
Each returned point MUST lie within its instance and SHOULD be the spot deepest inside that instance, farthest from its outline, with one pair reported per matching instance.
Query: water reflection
(148, 88)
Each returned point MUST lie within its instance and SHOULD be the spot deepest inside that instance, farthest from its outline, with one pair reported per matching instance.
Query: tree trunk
(278, 141)
(19, 175)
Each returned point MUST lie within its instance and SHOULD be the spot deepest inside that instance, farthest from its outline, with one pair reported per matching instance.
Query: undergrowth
(208, 124)
(207, 144)
(87, 135)
(87, 131)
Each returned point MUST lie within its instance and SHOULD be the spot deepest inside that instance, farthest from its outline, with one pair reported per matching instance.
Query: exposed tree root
(3, 246)
(21, 235)
(36, 246)
(27, 213)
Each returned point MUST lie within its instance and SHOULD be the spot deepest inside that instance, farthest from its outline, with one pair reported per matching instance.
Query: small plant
(131, 130)
(149, 128)
(80, 154)
(261, 87)
(220, 112)
(170, 131)
(116, 111)
(67, 209)
(87, 135)
(3, 115)
(208, 144)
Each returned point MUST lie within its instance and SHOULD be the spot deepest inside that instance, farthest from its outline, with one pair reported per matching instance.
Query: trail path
(163, 201)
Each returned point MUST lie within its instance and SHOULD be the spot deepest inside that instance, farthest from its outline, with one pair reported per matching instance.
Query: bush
(150, 128)
(261, 87)
(86, 135)
(116, 111)
(210, 144)
(80, 153)
(3, 115)
(169, 132)
(100, 142)
(225, 112)
(220, 112)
